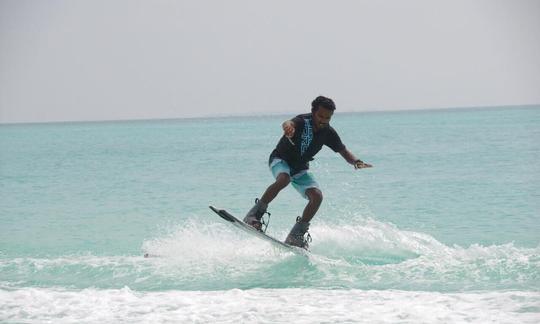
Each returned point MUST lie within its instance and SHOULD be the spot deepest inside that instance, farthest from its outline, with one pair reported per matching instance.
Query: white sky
(102, 60)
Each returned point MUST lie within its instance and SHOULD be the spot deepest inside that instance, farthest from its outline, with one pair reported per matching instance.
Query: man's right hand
(288, 128)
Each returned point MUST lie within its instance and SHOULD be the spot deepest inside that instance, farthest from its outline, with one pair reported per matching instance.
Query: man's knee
(282, 180)
(314, 195)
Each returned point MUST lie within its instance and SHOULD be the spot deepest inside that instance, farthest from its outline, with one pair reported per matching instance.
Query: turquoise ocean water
(445, 227)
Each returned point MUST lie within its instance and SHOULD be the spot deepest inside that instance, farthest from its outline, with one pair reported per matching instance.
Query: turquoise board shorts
(301, 181)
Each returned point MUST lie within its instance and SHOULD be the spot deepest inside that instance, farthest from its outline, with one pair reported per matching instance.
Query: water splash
(368, 255)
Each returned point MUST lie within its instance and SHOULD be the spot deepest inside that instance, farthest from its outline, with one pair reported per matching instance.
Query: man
(303, 137)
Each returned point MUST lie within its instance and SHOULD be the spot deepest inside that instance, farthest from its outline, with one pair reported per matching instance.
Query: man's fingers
(289, 132)
(362, 165)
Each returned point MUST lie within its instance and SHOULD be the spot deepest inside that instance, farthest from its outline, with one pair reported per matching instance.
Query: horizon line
(266, 114)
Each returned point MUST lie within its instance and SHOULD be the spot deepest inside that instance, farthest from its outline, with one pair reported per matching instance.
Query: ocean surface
(444, 228)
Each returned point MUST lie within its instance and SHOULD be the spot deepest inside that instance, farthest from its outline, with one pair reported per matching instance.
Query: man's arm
(351, 159)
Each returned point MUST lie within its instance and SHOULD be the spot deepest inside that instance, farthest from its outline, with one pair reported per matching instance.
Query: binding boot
(296, 236)
(254, 216)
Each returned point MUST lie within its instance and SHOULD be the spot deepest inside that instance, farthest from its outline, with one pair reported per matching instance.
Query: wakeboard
(250, 230)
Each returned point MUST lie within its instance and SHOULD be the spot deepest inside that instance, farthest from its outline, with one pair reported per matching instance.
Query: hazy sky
(95, 60)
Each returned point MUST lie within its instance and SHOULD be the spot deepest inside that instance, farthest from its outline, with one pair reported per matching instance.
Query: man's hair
(324, 102)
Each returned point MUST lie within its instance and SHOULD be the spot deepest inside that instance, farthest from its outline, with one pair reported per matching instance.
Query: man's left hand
(361, 165)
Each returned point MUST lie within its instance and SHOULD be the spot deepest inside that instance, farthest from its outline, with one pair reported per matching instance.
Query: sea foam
(33, 305)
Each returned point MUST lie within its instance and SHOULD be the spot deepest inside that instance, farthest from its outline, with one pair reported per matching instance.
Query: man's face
(321, 117)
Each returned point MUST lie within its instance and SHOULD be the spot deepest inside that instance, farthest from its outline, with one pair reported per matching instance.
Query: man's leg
(314, 195)
(282, 180)
(254, 215)
(315, 198)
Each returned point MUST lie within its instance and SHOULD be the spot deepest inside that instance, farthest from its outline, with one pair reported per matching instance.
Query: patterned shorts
(301, 181)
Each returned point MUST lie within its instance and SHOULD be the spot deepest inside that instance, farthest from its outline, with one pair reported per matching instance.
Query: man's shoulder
(331, 130)
(333, 140)
(303, 116)
(331, 135)
(299, 120)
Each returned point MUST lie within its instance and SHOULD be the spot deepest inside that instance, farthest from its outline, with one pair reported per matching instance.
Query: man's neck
(314, 126)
